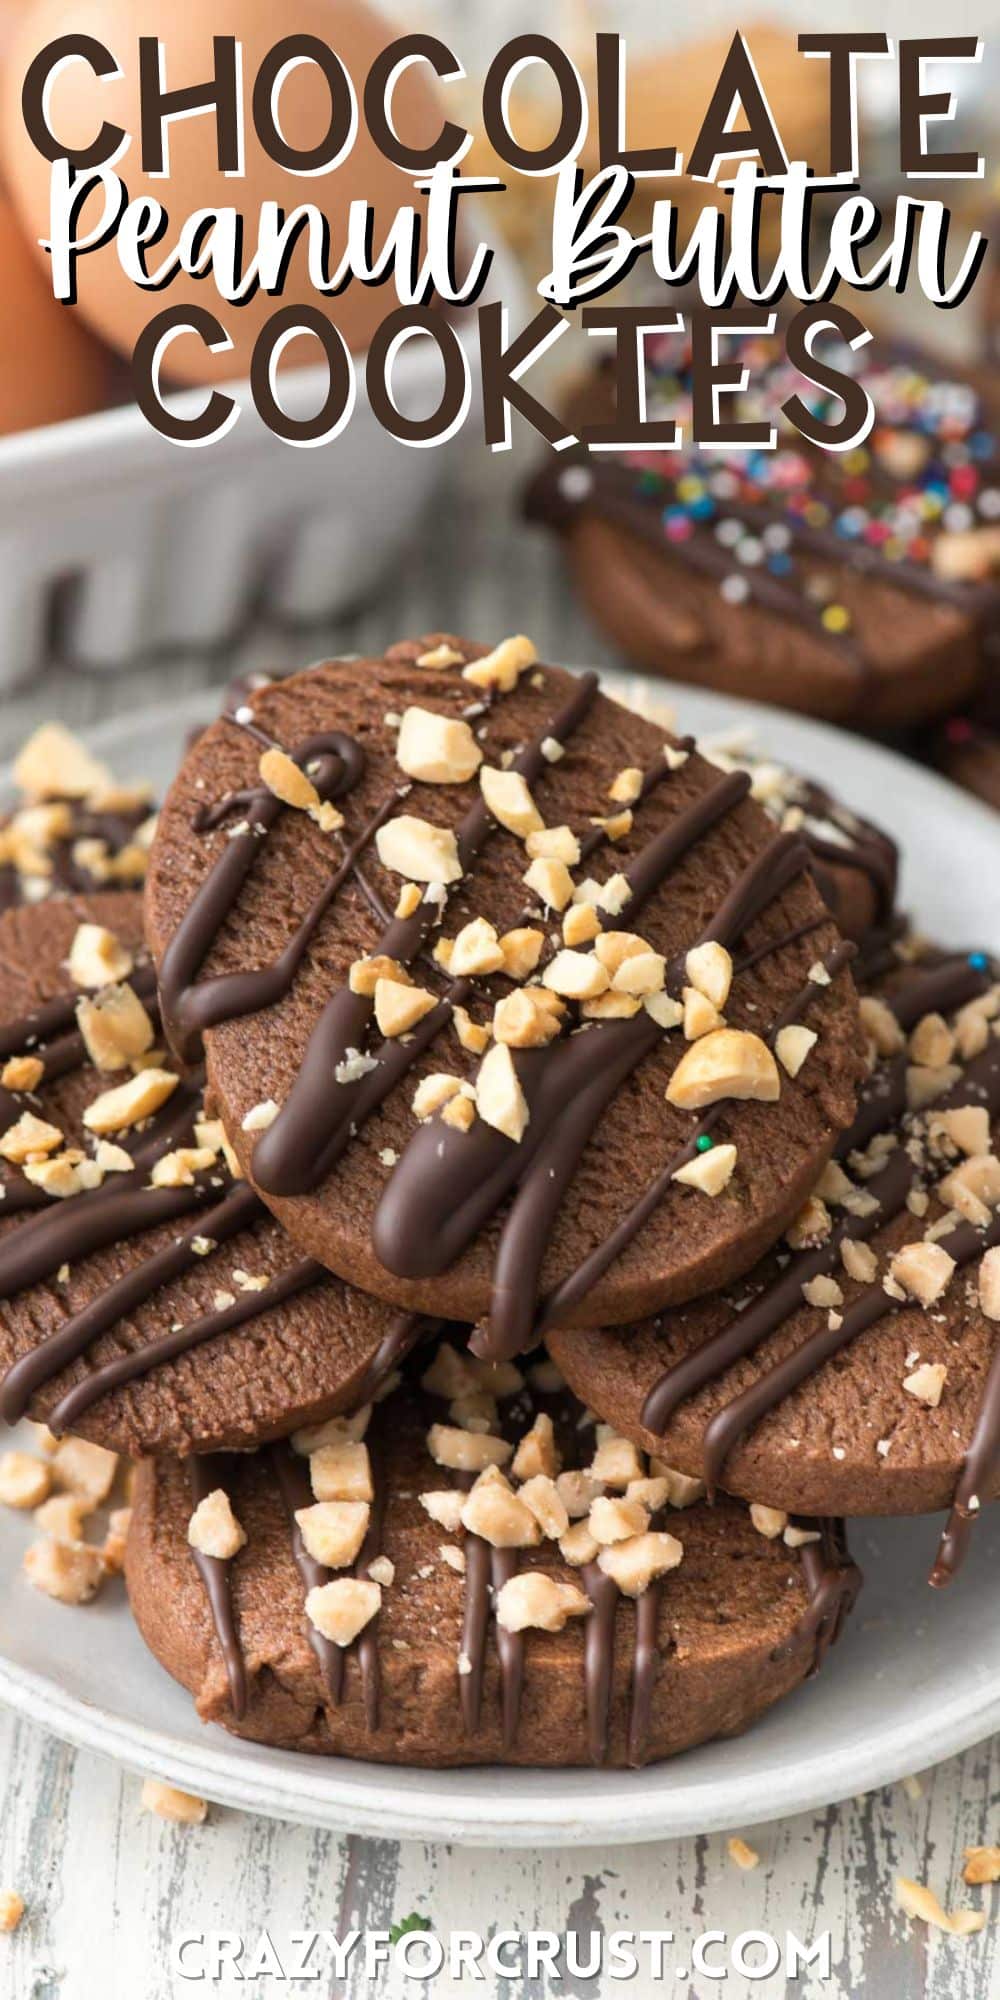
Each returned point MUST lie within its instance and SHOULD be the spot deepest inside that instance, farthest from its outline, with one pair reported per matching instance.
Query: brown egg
(108, 299)
(50, 366)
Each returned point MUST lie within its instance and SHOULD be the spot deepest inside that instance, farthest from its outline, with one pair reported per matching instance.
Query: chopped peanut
(494, 1511)
(502, 668)
(85, 1469)
(128, 1103)
(880, 1025)
(22, 1073)
(24, 1481)
(342, 1609)
(615, 1520)
(522, 949)
(509, 801)
(476, 951)
(709, 968)
(500, 1101)
(540, 1602)
(436, 749)
(728, 1062)
(398, 1008)
(412, 847)
(553, 843)
(526, 1018)
(920, 1902)
(167, 1802)
(770, 1522)
(54, 765)
(617, 1461)
(792, 1045)
(989, 1283)
(635, 1564)
(581, 924)
(97, 958)
(28, 1138)
(465, 1451)
(342, 1471)
(926, 1383)
(333, 1530)
(576, 975)
(213, 1529)
(541, 1496)
(72, 1573)
(288, 782)
(551, 882)
(537, 1452)
(11, 1910)
(924, 1270)
(444, 1507)
(709, 1172)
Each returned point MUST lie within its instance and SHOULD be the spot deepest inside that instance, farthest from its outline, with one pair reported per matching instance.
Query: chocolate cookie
(150, 1301)
(858, 1369)
(348, 955)
(75, 828)
(860, 585)
(340, 1604)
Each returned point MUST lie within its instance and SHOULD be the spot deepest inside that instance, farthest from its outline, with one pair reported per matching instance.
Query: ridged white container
(116, 545)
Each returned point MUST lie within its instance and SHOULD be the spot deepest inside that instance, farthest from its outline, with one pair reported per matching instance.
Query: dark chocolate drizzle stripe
(581, 1281)
(206, 1475)
(183, 1339)
(238, 1209)
(292, 1475)
(316, 1124)
(833, 1582)
(335, 764)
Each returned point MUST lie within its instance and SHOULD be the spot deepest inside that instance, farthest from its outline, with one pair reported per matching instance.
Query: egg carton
(118, 546)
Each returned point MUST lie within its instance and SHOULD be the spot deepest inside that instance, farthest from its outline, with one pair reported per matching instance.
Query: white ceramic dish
(105, 525)
(916, 1678)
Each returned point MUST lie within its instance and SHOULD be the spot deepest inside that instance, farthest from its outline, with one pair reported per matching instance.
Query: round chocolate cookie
(340, 1604)
(508, 835)
(150, 1302)
(857, 1370)
(861, 585)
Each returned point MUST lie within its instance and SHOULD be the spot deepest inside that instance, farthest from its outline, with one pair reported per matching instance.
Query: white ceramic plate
(917, 1675)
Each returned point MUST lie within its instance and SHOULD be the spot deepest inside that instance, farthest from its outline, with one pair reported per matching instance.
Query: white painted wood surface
(110, 1890)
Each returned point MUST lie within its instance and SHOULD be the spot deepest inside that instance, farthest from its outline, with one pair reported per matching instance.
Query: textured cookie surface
(429, 1215)
(841, 583)
(148, 1318)
(858, 1373)
(433, 1678)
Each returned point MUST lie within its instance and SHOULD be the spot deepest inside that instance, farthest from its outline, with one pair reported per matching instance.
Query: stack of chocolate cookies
(512, 1186)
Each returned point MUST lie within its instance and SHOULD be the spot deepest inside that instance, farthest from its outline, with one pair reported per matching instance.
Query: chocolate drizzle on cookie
(291, 1474)
(883, 1107)
(207, 1475)
(831, 1582)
